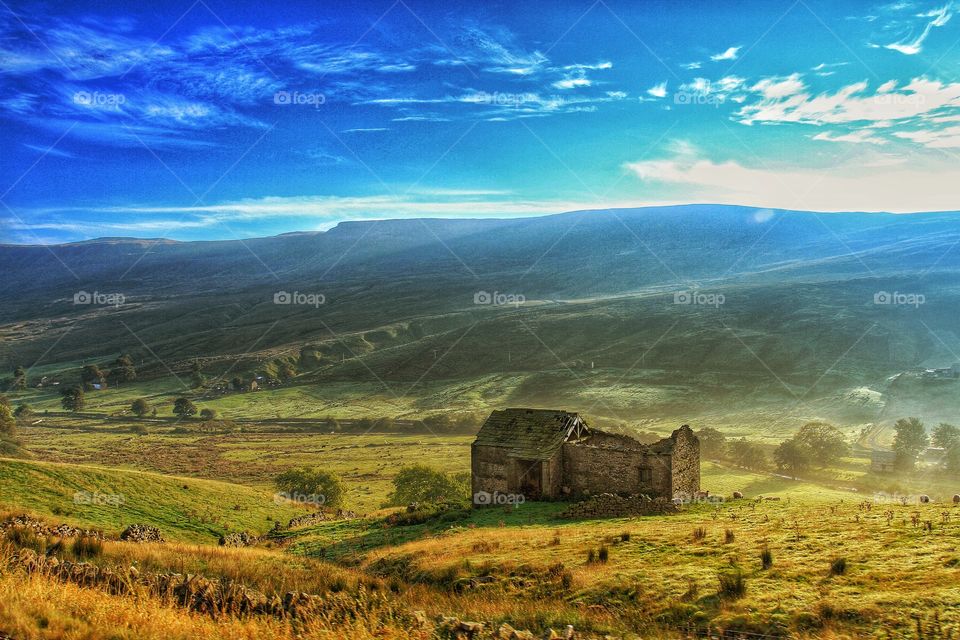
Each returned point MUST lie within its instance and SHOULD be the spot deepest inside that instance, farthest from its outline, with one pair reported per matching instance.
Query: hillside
(185, 509)
(599, 325)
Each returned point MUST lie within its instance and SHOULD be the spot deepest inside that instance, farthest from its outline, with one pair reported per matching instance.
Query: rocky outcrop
(240, 539)
(41, 528)
(321, 516)
(609, 505)
(141, 533)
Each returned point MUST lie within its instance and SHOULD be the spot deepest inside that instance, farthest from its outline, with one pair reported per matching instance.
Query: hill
(706, 311)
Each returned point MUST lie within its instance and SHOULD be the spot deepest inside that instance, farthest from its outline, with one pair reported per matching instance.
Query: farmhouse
(550, 454)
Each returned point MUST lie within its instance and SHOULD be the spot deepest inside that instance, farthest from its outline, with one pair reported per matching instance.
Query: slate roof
(528, 434)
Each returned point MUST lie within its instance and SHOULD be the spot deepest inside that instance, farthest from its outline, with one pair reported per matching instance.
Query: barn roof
(530, 434)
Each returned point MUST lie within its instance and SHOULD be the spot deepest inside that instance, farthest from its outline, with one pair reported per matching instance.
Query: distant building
(883, 461)
(549, 454)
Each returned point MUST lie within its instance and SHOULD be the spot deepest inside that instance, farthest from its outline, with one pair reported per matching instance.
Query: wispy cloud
(658, 90)
(914, 45)
(730, 54)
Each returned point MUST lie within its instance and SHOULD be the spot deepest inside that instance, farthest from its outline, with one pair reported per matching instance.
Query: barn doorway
(530, 478)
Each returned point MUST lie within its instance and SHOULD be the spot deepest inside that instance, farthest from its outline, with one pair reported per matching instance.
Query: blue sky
(207, 119)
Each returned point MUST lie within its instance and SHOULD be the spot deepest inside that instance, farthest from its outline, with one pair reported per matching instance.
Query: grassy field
(182, 508)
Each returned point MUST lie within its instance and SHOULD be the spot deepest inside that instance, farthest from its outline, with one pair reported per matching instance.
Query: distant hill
(600, 302)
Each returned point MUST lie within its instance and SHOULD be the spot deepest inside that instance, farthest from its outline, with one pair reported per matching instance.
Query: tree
(713, 444)
(197, 378)
(23, 410)
(420, 483)
(747, 454)
(793, 455)
(19, 379)
(90, 375)
(910, 441)
(948, 436)
(184, 408)
(123, 369)
(71, 398)
(237, 383)
(140, 407)
(208, 414)
(8, 424)
(824, 442)
(311, 486)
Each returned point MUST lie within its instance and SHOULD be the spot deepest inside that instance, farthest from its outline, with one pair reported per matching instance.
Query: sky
(209, 119)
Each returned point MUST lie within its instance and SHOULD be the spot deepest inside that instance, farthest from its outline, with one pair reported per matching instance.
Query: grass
(182, 508)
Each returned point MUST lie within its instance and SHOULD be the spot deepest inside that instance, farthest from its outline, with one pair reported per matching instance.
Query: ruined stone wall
(686, 463)
(608, 463)
(490, 469)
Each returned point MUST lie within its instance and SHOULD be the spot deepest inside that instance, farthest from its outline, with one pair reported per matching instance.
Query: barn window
(646, 474)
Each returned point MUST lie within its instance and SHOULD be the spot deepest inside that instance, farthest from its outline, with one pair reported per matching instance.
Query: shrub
(87, 547)
(140, 407)
(729, 536)
(603, 555)
(699, 534)
(838, 567)
(733, 584)
(591, 556)
(625, 536)
(322, 487)
(766, 558)
(419, 483)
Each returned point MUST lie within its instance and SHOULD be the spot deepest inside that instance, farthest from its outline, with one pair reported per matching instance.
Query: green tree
(19, 379)
(208, 414)
(793, 455)
(8, 424)
(23, 410)
(420, 483)
(90, 375)
(311, 486)
(824, 441)
(747, 454)
(140, 407)
(948, 436)
(71, 398)
(197, 378)
(123, 369)
(184, 408)
(909, 442)
(713, 444)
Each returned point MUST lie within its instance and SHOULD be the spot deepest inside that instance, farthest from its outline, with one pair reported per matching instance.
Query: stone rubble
(610, 505)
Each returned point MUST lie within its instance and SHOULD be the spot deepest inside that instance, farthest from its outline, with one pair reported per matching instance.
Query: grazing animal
(924, 499)
(956, 498)
(737, 495)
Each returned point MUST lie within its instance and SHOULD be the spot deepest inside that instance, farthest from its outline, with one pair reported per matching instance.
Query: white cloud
(691, 66)
(946, 138)
(858, 137)
(786, 102)
(913, 47)
(729, 54)
(860, 186)
(658, 90)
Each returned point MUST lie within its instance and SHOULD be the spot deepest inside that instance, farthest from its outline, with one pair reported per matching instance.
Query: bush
(139, 407)
(419, 483)
(138, 429)
(729, 536)
(766, 558)
(699, 534)
(184, 408)
(311, 485)
(838, 567)
(733, 584)
(86, 547)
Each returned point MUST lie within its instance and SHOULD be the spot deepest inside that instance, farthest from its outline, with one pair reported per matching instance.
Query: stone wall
(608, 505)
(686, 463)
(610, 463)
(489, 469)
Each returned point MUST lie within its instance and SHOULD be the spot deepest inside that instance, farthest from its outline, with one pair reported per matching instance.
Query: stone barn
(550, 454)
